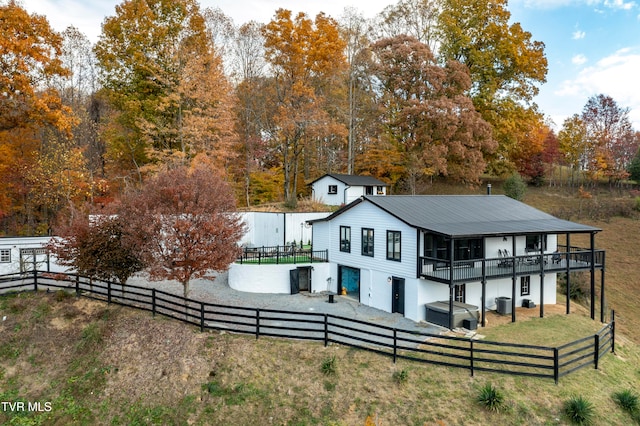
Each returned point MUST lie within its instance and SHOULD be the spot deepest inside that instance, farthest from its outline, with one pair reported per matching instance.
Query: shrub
(579, 286)
(401, 377)
(515, 187)
(329, 366)
(578, 410)
(627, 400)
(491, 398)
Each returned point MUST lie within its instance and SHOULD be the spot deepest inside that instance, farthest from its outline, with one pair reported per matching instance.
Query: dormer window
(333, 189)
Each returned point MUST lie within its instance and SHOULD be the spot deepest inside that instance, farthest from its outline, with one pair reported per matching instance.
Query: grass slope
(91, 363)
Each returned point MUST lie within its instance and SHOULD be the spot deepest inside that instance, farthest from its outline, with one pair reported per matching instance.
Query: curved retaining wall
(274, 278)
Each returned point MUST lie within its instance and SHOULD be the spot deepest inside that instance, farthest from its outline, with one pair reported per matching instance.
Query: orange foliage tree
(184, 224)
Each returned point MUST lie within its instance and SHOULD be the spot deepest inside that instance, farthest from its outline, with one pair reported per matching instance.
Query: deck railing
(473, 355)
(574, 259)
(282, 254)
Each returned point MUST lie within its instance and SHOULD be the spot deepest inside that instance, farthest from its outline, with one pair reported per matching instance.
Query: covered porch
(553, 259)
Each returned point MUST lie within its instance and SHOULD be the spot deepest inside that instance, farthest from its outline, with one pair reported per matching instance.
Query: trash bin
(470, 323)
(528, 303)
(503, 305)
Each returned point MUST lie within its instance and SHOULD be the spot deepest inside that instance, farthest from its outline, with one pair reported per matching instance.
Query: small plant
(61, 295)
(329, 366)
(515, 187)
(401, 377)
(491, 398)
(627, 400)
(578, 410)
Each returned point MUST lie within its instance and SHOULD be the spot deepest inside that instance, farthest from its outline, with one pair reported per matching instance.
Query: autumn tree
(426, 113)
(96, 246)
(32, 115)
(610, 137)
(29, 59)
(572, 140)
(415, 18)
(306, 59)
(184, 224)
(162, 75)
(505, 64)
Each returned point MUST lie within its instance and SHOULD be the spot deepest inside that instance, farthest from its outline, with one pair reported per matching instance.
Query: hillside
(89, 363)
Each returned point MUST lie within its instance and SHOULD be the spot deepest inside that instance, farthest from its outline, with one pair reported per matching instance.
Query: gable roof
(469, 215)
(353, 180)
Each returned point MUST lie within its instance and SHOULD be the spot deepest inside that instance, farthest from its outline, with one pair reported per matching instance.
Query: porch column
(451, 296)
(513, 280)
(593, 276)
(541, 276)
(602, 300)
(451, 281)
(484, 290)
(568, 273)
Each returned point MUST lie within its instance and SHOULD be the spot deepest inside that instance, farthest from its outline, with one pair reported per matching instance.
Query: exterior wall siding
(321, 194)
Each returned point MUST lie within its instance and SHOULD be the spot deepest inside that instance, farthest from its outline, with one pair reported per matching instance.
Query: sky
(592, 46)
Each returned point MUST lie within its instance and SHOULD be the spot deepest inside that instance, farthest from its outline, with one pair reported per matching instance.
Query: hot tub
(438, 313)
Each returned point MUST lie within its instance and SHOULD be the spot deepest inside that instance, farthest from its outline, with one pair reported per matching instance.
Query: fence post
(153, 302)
(77, 285)
(596, 352)
(109, 292)
(556, 368)
(201, 316)
(471, 356)
(257, 323)
(613, 331)
(395, 345)
(326, 330)
(35, 280)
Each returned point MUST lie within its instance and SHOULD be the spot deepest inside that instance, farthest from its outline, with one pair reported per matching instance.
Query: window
(368, 190)
(380, 190)
(5, 255)
(460, 293)
(437, 246)
(333, 189)
(525, 286)
(393, 245)
(533, 243)
(345, 239)
(367, 242)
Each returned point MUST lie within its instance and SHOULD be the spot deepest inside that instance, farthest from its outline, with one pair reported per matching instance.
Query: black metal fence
(467, 353)
(282, 254)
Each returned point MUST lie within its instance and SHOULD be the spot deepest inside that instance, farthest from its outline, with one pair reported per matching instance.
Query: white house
(338, 189)
(22, 254)
(434, 257)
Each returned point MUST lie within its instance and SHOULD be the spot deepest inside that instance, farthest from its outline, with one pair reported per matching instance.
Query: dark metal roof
(470, 215)
(354, 180)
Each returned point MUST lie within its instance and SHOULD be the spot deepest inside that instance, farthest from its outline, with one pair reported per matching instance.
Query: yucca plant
(579, 411)
(491, 398)
(329, 366)
(627, 400)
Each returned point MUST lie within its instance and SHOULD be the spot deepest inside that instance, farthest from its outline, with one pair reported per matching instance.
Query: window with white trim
(5, 255)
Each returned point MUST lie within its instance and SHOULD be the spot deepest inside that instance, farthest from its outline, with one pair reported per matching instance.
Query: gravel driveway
(218, 291)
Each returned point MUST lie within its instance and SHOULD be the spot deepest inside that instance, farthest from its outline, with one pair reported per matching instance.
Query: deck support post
(513, 280)
(542, 247)
(484, 291)
(602, 300)
(568, 273)
(593, 276)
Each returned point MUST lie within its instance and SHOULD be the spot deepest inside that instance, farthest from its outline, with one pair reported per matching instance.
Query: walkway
(218, 291)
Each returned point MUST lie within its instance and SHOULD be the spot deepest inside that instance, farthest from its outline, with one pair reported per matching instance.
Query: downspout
(451, 282)
(344, 194)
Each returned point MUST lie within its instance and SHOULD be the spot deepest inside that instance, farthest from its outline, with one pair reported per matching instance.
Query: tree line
(426, 89)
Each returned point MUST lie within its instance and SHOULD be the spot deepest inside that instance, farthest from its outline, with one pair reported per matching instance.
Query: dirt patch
(145, 359)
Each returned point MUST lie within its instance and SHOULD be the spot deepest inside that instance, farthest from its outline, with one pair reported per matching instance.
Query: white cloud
(620, 4)
(579, 59)
(614, 75)
(578, 35)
